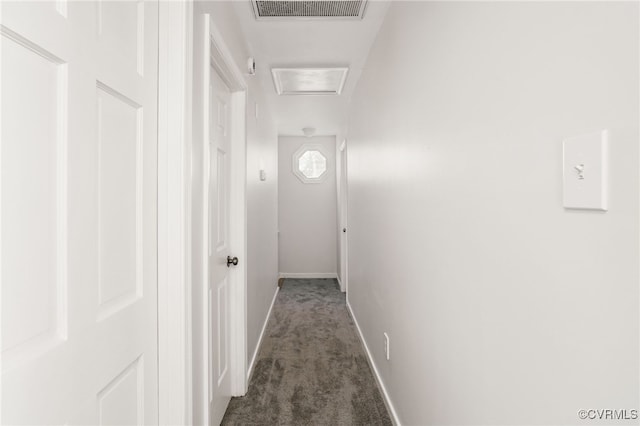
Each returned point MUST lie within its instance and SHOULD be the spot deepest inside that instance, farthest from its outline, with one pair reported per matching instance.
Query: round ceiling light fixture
(309, 131)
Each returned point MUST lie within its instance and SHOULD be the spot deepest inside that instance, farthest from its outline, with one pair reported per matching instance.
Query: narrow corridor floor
(311, 368)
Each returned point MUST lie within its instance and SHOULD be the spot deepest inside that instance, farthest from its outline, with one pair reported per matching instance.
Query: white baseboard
(385, 395)
(308, 275)
(264, 327)
(342, 289)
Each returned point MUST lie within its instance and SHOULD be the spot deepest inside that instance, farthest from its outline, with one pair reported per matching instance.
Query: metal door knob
(232, 261)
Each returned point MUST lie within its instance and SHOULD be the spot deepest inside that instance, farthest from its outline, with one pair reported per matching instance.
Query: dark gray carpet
(311, 368)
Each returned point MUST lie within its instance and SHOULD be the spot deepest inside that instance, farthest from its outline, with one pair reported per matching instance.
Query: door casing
(213, 53)
(178, 397)
(174, 283)
(343, 203)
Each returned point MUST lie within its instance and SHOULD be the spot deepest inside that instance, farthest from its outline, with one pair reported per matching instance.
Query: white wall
(307, 212)
(502, 307)
(262, 197)
(262, 214)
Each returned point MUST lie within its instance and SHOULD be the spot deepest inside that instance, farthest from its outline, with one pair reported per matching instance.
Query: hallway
(311, 368)
(450, 191)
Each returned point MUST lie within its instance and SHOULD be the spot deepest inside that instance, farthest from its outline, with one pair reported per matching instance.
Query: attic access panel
(308, 9)
(309, 81)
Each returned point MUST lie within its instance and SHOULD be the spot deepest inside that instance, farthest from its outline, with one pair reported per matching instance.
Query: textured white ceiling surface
(313, 43)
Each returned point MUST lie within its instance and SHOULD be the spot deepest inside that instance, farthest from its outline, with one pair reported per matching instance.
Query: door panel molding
(50, 327)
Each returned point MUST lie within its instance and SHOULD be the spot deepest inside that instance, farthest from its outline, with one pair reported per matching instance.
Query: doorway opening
(218, 226)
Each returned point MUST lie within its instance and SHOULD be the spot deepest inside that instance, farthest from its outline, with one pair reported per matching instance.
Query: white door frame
(174, 227)
(222, 61)
(175, 90)
(343, 206)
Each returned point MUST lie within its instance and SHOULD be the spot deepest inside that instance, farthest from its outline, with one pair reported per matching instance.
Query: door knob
(232, 261)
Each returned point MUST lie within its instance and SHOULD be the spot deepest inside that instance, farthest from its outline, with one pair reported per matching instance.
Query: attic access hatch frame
(277, 10)
(309, 81)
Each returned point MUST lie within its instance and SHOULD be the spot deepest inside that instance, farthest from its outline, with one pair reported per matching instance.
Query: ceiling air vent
(306, 9)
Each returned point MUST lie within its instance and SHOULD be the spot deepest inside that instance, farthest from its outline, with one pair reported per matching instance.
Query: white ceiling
(310, 44)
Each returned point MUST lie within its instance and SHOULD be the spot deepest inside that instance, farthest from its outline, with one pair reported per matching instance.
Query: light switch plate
(585, 171)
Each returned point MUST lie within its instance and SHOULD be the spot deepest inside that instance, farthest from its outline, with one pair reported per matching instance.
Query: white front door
(78, 206)
(219, 254)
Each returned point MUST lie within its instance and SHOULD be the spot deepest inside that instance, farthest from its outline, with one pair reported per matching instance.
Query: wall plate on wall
(585, 171)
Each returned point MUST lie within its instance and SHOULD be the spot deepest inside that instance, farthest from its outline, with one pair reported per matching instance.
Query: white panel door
(78, 212)
(219, 178)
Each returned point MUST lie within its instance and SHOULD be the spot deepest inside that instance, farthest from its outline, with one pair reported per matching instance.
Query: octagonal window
(312, 164)
(309, 164)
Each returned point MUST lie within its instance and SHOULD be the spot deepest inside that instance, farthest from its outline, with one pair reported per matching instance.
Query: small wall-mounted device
(262, 172)
(251, 66)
